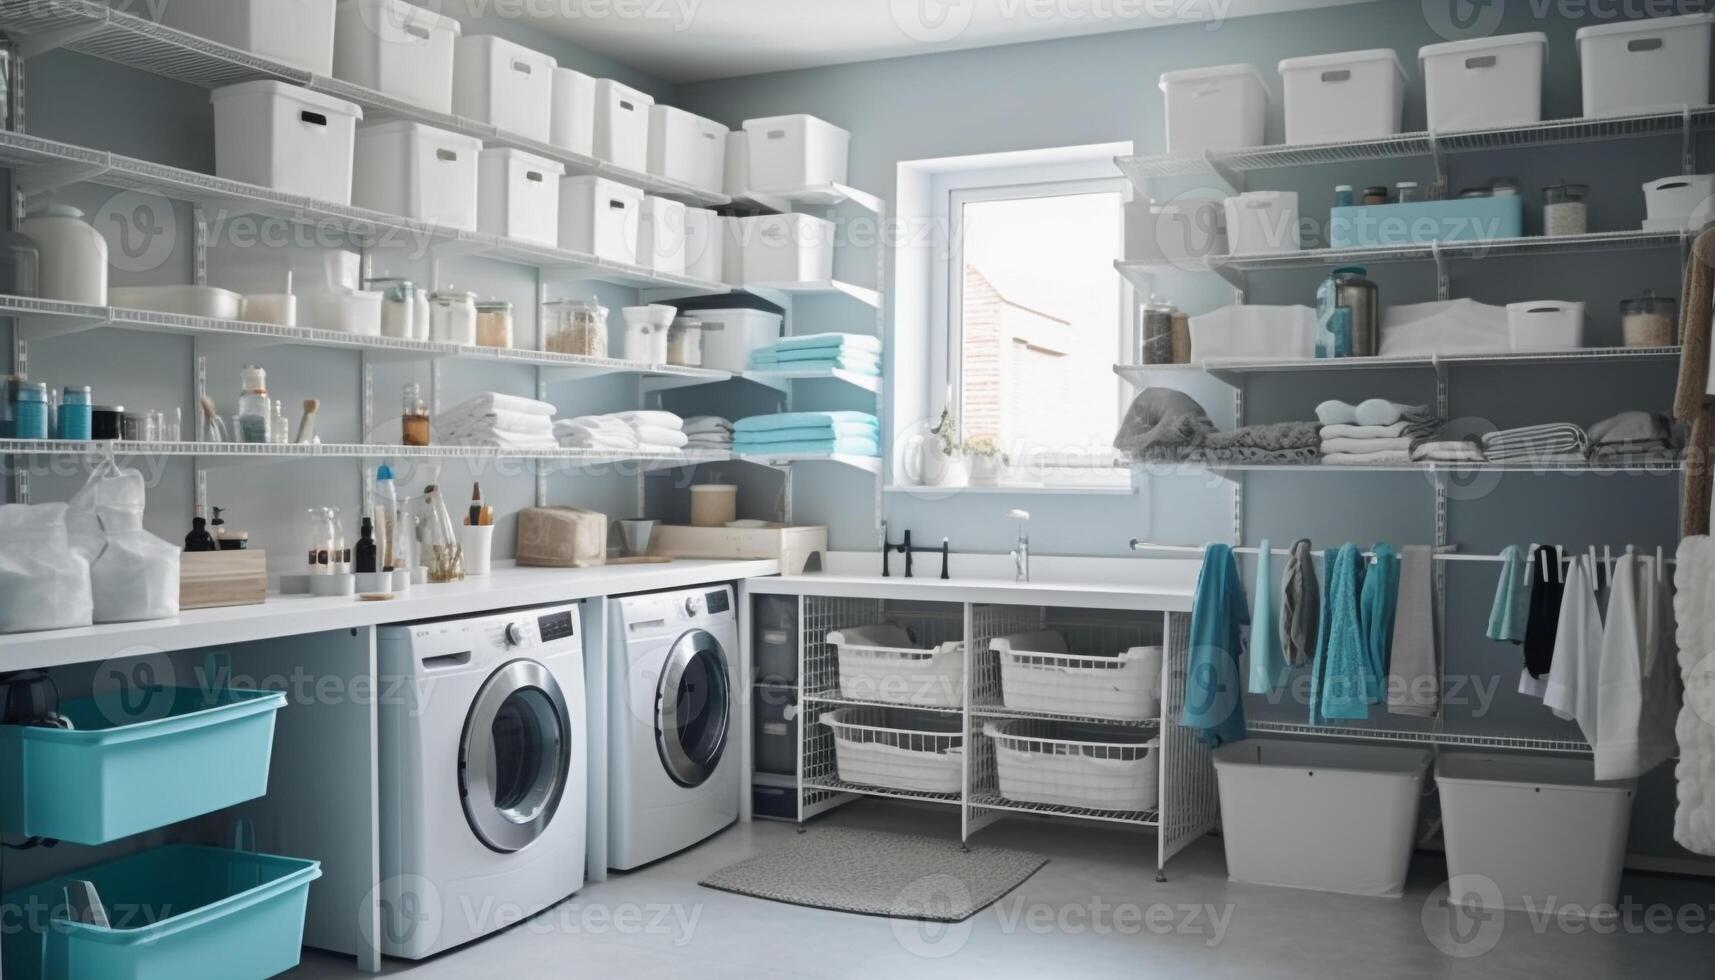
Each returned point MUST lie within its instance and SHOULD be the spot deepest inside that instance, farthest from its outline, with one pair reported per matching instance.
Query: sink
(1046, 571)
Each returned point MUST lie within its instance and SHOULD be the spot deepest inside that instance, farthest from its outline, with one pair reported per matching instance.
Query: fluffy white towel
(661, 450)
(1367, 459)
(651, 435)
(1333, 446)
(1452, 451)
(497, 440)
(597, 440)
(1337, 413)
(1380, 411)
(1342, 431)
(660, 420)
(499, 420)
(488, 402)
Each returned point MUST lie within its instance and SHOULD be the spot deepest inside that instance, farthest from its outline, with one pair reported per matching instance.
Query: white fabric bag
(44, 582)
(134, 575)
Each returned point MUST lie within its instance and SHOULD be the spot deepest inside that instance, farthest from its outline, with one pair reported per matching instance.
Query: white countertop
(508, 587)
(1086, 583)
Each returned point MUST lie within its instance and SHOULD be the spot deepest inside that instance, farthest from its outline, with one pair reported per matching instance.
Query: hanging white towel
(1575, 676)
(1694, 580)
(1635, 713)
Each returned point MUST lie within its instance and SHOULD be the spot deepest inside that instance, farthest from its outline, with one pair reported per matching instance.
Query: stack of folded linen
(1168, 426)
(496, 421)
(1553, 442)
(1372, 432)
(808, 433)
(1631, 434)
(708, 433)
(602, 432)
(854, 352)
(1447, 451)
(657, 432)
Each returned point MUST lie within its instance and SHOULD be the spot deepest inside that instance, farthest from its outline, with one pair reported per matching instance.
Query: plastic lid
(253, 378)
(1217, 71)
(1351, 270)
(1648, 25)
(1343, 58)
(1342, 187)
(282, 90)
(715, 488)
(36, 388)
(1482, 44)
(58, 211)
(384, 472)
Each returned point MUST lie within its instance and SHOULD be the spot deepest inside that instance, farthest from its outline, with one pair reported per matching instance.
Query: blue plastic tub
(185, 912)
(188, 752)
(1465, 219)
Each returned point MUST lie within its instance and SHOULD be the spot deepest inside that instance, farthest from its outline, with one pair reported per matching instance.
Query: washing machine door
(515, 755)
(693, 708)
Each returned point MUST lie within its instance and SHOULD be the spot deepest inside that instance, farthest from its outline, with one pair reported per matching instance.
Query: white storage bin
(1326, 817)
(285, 137)
(1677, 199)
(519, 196)
(1545, 325)
(1038, 672)
(398, 49)
(1169, 231)
(661, 236)
(705, 244)
(781, 249)
(881, 663)
(1247, 331)
(1547, 835)
(1357, 95)
(1220, 108)
(506, 85)
(600, 217)
(1086, 766)
(1262, 223)
(730, 335)
(1655, 65)
(417, 171)
(573, 127)
(786, 153)
(687, 148)
(296, 32)
(736, 181)
(622, 125)
(1484, 82)
(894, 748)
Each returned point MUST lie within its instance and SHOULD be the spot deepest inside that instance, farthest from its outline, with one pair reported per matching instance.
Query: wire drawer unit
(1078, 765)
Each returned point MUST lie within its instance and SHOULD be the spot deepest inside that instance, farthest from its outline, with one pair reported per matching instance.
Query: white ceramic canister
(73, 255)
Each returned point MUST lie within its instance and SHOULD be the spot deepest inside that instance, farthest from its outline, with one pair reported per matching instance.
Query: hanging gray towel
(1414, 673)
(1300, 605)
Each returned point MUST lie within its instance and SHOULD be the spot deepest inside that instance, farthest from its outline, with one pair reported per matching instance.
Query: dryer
(483, 774)
(673, 676)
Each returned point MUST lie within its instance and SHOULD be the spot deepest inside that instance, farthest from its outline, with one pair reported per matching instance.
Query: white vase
(986, 471)
(955, 470)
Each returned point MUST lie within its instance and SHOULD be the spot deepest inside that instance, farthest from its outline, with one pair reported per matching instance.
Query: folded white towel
(1343, 431)
(647, 448)
(1367, 459)
(597, 440)
(488, 402)
(1337, 413)
(1332, 446)
(497, 440)
(660, 420)
(650, 435)
(1380, 411)
(598, 427)
(499, 420)
(1450, 451)
(707, 423)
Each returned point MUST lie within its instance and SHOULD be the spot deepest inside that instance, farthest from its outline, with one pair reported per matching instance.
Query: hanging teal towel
(1214, 686)
(1376, 611)
(1338, 689)
(1512, 597)
(1268, 661)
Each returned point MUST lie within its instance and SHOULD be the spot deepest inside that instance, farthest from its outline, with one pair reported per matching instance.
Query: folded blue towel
(821, 341)
(805, 359)
(803, 420)
(844, 446)
(869, 369)
(823, 433)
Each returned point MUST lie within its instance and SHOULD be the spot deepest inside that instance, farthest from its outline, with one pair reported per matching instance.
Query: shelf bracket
(1234, 179)
(37, 43)
(541, 466)
(199, 245)
(1443, 282)
(1440, 162)
(1688, 144)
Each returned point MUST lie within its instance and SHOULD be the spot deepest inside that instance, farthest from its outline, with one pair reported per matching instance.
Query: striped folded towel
(1552, 439)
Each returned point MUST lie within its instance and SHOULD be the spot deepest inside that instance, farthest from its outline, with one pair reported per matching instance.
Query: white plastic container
(1656, 65)
(573, 127)
(1677, 199)
(288, 138)
(398, 49)
(661, 236)
(1262, 223)
(417, 171)
(1038, 672)
(506, 85)
(1548, 837)
(72, 255)
(736, 181)
(880, 663)
(1086, 766)
(297, 32)
(783, 249)
(896, 748)
(600, 217)
(1485, 82)
(705, 244)
(519, 196)
(1174, 230)
(1355, 95)
(622, 125)
(687, 148)
(1220, 108)
(729, 336)
(1545, 325)
(790, 152)
(344, 310)
(1321, 816)
(1253, 331)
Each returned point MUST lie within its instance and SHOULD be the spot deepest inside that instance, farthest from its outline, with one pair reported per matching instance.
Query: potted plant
(988, 463)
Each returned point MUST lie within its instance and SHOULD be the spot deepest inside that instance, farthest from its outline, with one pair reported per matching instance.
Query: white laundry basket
(787, 249)
(1086, 766)
(520, 196)
(686, 147)
(1678, 200)
(1039, 673)
(1220, 108)
(1356, 95)
(506, 85)
(285, 137)
(417, 171)
(784, 153)
(600, 217)
(896, 748)
(1333, 818)
(1484, 82)
(730, 335)
(1545, 325)
(398, 49)
(881, 663)
(622, 125)
(1543, 832)
(1659, 64)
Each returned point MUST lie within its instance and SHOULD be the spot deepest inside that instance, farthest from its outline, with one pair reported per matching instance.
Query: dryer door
(515, 755)
(693, 708)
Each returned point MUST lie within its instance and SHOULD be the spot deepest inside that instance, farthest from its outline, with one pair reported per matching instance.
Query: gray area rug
(902, 876)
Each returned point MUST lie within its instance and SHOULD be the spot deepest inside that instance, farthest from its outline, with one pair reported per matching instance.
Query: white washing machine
(673, 765)
(483, 774)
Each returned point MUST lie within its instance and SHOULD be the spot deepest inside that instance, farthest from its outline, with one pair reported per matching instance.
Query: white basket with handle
(896, 748)
(881, 663)
(1039, 673)
(1089, 767)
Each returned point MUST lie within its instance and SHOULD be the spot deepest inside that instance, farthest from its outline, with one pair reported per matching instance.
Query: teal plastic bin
(187, 752)
(1465, 219)
(185, 912)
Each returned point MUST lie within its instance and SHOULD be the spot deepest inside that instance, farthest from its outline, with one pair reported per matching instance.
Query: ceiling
(697, 40)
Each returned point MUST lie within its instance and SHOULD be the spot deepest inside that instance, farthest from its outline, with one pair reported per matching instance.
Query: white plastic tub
(519, 196)
(417, 171)
(730, 335)
(1253, 331)
(705, 244)
(288, 138)
(1174, 230)
(573, 126)
(1484, 82)
(622, 125)
(600, 217)
(397, 48)
(1545, 325)
(895, 748)
(687, 148)
(506, 85)
(661, 235)
(1320, 816)
(1090, 767)
(1038, 672)
(881, 663)
(1262, 222)
(786, 153)
(1357, 95)
(786, 249)
(1677, 199)
(1219, 108)
(1536, 834)
(1654, 65)
(297, 32)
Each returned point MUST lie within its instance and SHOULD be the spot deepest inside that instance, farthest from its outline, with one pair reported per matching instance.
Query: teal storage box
(132, 763)
(1465, 219)
(184, 912)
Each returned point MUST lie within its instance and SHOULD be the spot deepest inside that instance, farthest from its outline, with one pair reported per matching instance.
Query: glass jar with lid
(398, 306)
(685, 342)
(1157, 331)
(1649, 321)
(1564, 211)
(574, 326)
(452, 317)
(29, 410)
(494, 324)
(76, 413)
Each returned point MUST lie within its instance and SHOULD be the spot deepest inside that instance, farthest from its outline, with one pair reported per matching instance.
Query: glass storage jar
(1564, 211)
(494, 324)
(29, 410)
(452, 317)
(574, 326)
(76, 410)
(1649, 321)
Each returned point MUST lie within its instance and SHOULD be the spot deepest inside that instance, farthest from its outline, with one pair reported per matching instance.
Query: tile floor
(1095, 911)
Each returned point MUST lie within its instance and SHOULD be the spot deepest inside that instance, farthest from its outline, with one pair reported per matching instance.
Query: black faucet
(907, 549)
